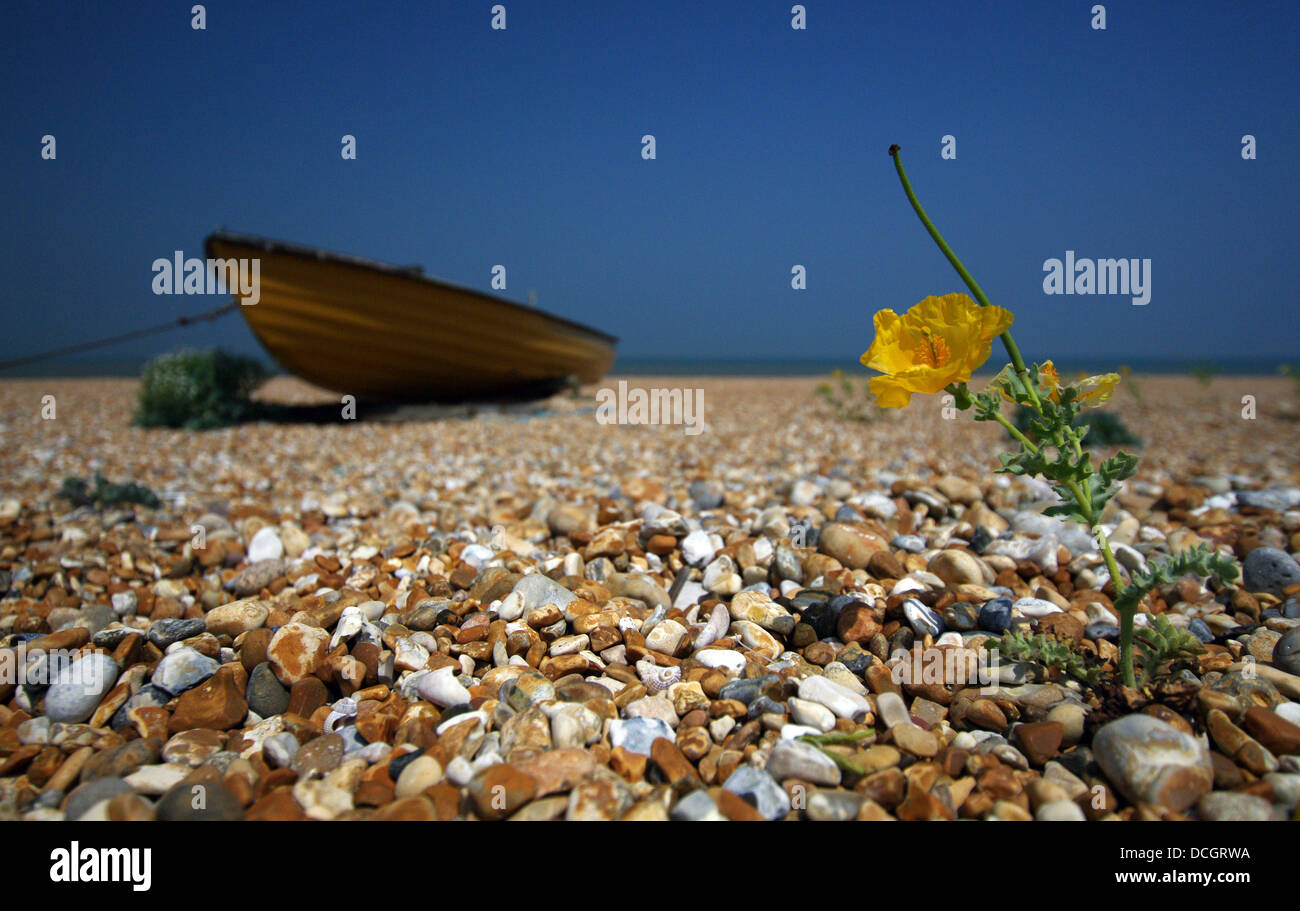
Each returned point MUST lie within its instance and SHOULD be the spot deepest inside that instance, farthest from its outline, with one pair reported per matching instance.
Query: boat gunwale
(317, 254)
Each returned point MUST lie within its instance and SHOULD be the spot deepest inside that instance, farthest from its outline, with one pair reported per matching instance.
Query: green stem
(843, 763)
(1059, 436)
(1125, 616)
(1007, 341)
(1015, 432)
(841, 738)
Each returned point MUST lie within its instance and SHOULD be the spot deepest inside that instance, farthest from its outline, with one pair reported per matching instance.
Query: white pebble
(842, 701)
(265, 545)
(442, 688)
(1034, 608)
(697, 548)
(811, 714)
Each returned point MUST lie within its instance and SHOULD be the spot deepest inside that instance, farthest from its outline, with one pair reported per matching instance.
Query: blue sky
(523, 147)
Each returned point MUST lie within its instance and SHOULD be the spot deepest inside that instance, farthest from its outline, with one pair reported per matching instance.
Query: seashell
(656, 678)
(340, 712)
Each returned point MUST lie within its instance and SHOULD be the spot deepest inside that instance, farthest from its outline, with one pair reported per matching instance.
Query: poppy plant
(937, 345)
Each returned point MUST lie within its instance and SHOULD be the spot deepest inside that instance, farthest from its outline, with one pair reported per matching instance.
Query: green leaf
(1160, 642)
(1119, 467)
(1198, 561)
(1066, 511)
(1049, 652)
(961, 396)
(988, 405)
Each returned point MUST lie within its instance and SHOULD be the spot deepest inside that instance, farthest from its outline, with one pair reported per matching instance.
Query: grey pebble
(696, 806)
(759, 789)
(1286, 653)
(165, 632)
(79, 686)
(1267, 569)
(183, 669)
(85, 796)
(266, 694)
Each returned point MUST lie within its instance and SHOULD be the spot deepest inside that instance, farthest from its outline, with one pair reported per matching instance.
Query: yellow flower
(1096, 391)
(1092, 391)
(1047, 373)
(939, 341)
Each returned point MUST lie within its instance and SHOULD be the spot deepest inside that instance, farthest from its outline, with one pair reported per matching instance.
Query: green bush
(847, 402)
(104, 493)
(199, 390)
(1104, 428)
(1204, 373)
(1292, 371)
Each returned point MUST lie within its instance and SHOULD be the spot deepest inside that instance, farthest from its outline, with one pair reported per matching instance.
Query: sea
(821, 366)
(775, 365)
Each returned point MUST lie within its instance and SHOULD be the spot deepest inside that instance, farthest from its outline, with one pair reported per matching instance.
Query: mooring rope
(116, 339)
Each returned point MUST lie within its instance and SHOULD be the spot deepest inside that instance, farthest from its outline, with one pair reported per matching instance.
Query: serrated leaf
(1065, 511)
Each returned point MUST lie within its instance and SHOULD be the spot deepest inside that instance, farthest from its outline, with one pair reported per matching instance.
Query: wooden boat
(388, 332)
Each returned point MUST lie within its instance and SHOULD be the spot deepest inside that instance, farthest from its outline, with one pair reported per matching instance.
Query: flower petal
(887, 353)
(1096, 391)
(889, 392)
(966, 327)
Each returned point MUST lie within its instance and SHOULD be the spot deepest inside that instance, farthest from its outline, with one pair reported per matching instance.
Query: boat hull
(382, 332)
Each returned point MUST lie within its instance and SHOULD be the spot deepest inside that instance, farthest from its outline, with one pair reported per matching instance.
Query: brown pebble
(129, 808)
(675, 766)
(857, 623)
(306, 696)
(276, 778)
(499, 790)
(44, 765)
(409, 809)
(217, 704)
(252, 648)
(922, 805)
(446, 800)
(1274, 732)
(629, 765)
(1040, 740)
(15, 762)
(277, 806)
(694, 742)
(735, 807)
(885, 787)
(64, 640)
(68, 772)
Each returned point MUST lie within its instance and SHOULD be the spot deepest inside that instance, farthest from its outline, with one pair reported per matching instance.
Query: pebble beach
(523, 613)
